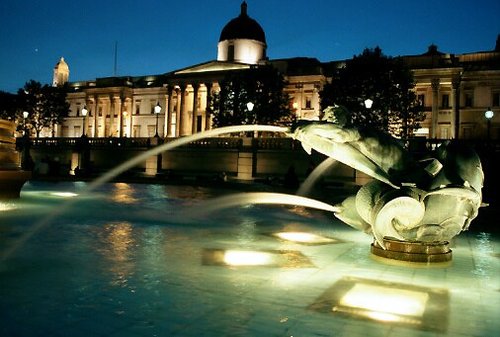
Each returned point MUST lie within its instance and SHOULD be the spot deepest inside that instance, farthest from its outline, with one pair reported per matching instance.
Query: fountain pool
(122, 262)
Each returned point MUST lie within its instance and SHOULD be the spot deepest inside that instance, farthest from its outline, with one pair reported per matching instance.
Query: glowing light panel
(64, 194)
(303, 237)
(386, 301)
(247, 258)
(266, 258)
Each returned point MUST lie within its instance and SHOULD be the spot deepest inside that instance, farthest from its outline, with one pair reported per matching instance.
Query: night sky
(158, 36)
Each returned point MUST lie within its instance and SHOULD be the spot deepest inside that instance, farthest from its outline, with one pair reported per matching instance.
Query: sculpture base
(413, 251)
(11, 182)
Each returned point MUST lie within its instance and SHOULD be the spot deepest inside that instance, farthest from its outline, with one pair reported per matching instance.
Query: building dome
(242, 40)
(243, 27)
(61, 73)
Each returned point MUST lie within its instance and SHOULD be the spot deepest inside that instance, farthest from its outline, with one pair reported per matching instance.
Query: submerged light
(383, 303)
(304, 237)
(247, 258)
(64, 194)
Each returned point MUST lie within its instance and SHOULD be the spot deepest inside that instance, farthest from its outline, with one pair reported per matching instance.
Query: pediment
(212, 66)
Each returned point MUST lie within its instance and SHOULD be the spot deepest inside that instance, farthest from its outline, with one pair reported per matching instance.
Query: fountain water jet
(129, 164)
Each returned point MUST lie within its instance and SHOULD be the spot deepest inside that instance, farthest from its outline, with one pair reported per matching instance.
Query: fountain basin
(12, 177)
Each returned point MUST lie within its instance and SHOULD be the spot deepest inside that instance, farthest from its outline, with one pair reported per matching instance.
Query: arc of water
(239, 199)
(313, 177)
(129, 164)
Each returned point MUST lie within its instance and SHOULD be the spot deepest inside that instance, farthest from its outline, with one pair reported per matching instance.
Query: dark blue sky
(157, 36)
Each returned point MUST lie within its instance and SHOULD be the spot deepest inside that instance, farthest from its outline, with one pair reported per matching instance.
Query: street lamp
(25, 115)
(250, 106)
(84, 114)
(157, 113)
(368, 103)
(488, 114)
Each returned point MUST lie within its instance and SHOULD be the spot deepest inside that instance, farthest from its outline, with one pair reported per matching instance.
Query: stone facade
(455, 90)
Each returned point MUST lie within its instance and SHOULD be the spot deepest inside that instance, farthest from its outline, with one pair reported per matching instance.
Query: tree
(263, 86)
(46, 106)
(388, 82)
(8, 105)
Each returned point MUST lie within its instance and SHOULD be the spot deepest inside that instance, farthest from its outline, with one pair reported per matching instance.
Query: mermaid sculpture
(430, 200)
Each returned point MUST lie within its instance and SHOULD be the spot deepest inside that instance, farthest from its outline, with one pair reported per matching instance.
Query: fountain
(134, 265)
(12, 177)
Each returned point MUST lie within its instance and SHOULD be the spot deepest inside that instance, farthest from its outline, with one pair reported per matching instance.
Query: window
(100, 111)
(469, 102)
(151, 130)
(137, 108)
(421, 99)
(230, 52)
(445, 101)
(308, 102)
(136, 131)
(77, 111)
(496, 99)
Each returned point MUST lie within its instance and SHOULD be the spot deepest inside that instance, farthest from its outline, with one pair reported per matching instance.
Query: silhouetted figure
(291, 179)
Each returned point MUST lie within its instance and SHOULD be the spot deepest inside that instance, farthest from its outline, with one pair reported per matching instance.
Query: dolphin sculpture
(413, 200)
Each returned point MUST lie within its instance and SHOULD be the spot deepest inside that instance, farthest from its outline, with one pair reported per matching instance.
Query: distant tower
(61, 73)
(242, 40)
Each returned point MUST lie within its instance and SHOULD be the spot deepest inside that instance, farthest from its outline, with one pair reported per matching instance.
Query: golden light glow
(267, 258)
(247, 258)
(64, 194)
(385, 303)
(124, 193)
(303, 237)
(6, 207)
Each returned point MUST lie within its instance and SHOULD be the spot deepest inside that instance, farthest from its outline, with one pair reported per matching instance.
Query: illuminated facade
(456, 90)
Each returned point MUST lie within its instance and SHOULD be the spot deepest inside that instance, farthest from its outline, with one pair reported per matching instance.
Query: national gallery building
(456, 90)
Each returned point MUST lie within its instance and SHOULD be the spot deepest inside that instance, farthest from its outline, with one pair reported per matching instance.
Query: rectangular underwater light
(397, 303)
(304, 238)
(267, 258)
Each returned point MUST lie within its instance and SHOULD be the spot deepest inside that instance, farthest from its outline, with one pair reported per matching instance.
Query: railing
(414, 145)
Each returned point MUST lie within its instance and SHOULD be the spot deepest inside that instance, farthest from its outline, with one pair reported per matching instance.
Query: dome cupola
(242, 40)
(61, 73)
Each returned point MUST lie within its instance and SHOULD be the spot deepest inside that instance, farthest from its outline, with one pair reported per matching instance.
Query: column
(96, 117)
(178, 93)
(435, 106)
(196, 88)
(115, 102)
(181, 118)
(208, 111)
(120, 117)
(455, 101)
(166, 99)
(169, 108)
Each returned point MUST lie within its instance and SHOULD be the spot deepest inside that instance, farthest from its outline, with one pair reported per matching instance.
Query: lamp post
(157, 113)
(25, 115)
(368, 103)
(488, 114)
(84, 114)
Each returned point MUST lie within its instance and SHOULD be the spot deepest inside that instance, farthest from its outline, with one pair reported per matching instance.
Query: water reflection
(117, 246)
(483, 249)
(124, 193)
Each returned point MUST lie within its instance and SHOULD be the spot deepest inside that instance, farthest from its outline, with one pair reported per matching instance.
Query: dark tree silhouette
(263, 87)
(46, 106)
(387, 81)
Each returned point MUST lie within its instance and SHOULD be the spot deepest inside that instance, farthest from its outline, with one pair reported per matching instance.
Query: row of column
(178, 120)
(455, 105)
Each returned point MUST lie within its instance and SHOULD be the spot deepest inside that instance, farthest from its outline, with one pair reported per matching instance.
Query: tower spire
(244, 7)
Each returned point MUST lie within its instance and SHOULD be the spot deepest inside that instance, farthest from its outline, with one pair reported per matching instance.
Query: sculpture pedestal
(11, 183)
(413, 251)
